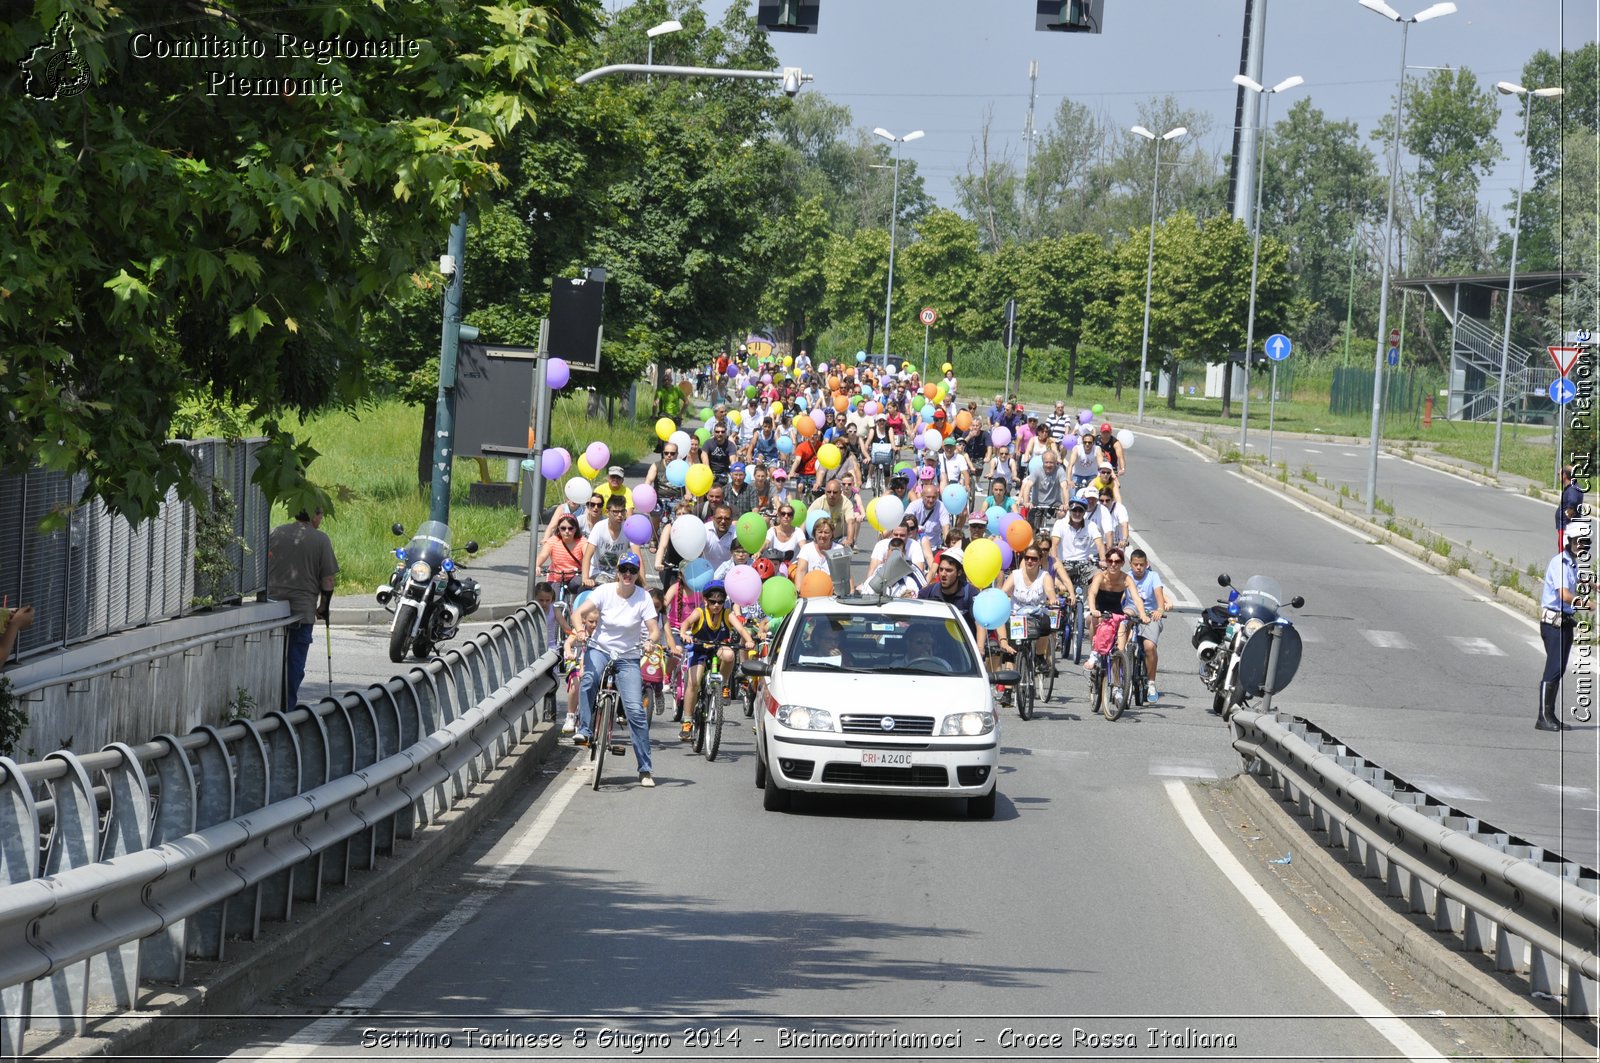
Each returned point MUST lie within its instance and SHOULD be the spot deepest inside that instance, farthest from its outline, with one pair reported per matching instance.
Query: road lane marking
(1522, 618)
(1576, 793)
(1315, 959)
(1386, 640)
(1473, 645)
(1444, 789)
(1180, 444)
(1183, 769)
(1309, 450)
(1188, 596)
(486, 887)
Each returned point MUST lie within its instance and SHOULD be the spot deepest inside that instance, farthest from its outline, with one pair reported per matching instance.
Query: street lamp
(1508, 88)
(1264, 105)
(894, 210)
(1388, 226)
(672, 25)
(1150, 262)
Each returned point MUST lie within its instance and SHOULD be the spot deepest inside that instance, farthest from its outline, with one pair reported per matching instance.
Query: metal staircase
(1475, 351)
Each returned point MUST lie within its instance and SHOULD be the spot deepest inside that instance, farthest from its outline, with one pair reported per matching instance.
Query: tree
(1068, 179)
(857, 271)
(1062, 277)
(940, 269)
(792, 247)
(170, 232)
(1557, 198)
(987, 192)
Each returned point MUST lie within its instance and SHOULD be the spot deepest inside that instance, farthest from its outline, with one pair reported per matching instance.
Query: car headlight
(968, 723)
(805, 718)
(421, 571)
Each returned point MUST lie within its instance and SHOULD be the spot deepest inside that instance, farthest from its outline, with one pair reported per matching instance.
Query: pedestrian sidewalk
(502, 575)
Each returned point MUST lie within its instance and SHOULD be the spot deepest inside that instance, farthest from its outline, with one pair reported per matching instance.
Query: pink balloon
(644, 498)
(743, 584)
(597, 454)
(766, 378)
(1000, 437)
(637, 529)
(557, 373)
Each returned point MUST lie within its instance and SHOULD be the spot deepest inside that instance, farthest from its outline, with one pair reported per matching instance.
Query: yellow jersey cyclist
(710, 632)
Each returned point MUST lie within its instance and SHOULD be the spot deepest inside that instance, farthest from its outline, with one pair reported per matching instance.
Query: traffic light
(788, 16)
(1069, 16)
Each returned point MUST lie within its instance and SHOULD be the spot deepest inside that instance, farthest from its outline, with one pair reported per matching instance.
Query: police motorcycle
(427, 599)
(1234, 640)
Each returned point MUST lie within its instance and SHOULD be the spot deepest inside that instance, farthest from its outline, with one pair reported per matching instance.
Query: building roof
(1526, 281)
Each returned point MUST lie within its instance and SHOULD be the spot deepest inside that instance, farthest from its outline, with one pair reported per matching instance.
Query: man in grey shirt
(300, 571)
(1044, 491)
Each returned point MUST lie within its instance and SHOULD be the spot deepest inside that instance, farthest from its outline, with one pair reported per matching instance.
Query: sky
(938, 65)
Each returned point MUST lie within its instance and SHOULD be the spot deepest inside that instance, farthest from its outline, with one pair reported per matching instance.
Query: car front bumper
(819, 762)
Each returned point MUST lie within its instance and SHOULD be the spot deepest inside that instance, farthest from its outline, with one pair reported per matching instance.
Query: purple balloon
(1007, 556)
(554, 463)
(637, 529)
(644, 498)
(766, 378)
(1085, 416)
(1006, 522)
(733, 369)
(597, 454)
(556, 373)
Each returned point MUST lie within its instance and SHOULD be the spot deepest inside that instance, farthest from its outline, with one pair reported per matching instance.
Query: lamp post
(894, 210)
(672, 25)
(1388, 227)
(1511, 89)
(1150, 261)
(1264, 102)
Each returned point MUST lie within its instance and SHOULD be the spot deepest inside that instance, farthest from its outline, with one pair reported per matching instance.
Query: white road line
(1444, 789)
(1452, 475)
(1472, 645)
(1537, 644)
(1181, 446)
(1187, 595)
(1183, 769)
(1522, 618)
(1309, 450)
(1394, 1030)
(1386, 640)
(304, 1043)
(1573, 792)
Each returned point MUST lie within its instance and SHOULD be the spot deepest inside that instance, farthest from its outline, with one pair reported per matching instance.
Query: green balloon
(751, 531)
(705, 413)
(904, 466)
(703, 433)
(918, 402)
(1097, 409)
(750, 391)
(777, 597)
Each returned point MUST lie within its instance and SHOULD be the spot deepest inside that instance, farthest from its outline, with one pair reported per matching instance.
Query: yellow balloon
(698, 482)
(982, 562)
(734, 416)
(872, 516)
(585, 470)
(665, 428)
(941, 394)
(828, 456)
(906, 366)
(947, 367)
(787, 361)
(777, 409)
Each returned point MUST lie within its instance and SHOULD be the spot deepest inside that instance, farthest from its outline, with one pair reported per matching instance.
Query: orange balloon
(930, 390)
(964, 420)
(1019, 535)
(816, 584)
(840, 403)
(804, 425)
(834, 383)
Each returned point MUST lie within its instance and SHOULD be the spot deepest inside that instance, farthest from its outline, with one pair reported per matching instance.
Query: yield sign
(1565, 358)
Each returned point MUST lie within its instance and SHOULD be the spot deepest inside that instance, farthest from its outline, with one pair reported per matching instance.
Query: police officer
(1557, 601)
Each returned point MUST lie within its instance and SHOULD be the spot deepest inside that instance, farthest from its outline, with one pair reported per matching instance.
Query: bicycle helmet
(714, 585)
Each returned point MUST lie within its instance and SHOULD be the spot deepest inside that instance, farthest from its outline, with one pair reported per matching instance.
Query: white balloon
(578, 490)
(689, 536)
(1125, 437)
(932, 440)
(680, 439)
(889, 510)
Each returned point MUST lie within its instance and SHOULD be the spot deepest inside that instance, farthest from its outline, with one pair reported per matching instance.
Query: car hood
(932, 695)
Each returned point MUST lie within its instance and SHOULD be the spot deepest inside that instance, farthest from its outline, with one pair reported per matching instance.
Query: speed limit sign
(928, 316)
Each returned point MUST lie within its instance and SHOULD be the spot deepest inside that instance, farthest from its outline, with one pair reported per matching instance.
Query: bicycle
(607, 707)
(706, 735)
(1017, 630)
(747, 685)
(1109, 681)
(1138, 674)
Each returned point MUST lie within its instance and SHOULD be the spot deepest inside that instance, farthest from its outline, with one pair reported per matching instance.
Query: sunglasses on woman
(627, 570)
(785, 512)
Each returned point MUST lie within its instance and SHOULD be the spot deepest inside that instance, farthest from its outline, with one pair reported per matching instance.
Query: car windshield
(882, 644)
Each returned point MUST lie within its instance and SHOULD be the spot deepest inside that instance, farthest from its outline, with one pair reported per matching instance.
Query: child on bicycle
(572, 668)
(710, 631)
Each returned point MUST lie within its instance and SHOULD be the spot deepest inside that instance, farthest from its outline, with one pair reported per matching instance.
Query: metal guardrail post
(315, 770)
(364, 754)
(162, 956)
(251, 793)
(380, 702)
(341, 763)
(114, 975)
(216, 791)
(72, 844)
(283, 754)
(19, 862)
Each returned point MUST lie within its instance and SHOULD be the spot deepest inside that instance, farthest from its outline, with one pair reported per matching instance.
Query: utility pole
(1027, 137)
(444, 423)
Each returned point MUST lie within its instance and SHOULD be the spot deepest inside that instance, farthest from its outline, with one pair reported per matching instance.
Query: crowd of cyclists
(957, 468)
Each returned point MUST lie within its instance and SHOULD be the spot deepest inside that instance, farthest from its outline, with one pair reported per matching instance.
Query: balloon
(930, 390)
(733, 369)
(705, 413)
(940, 394)
(1085, 416)
(964, 420)
(1035, 463)
(750, 391)
(703, 434)
(766, 378)
(981, 560)
(812, 516)
(777, 597)
(788, 362)
(822, 367)
(918, 442)
(697, 574)
(637, 529)
(556, 373)
(840, 403)
(777, 409)
(1097, 409)
(528, 465)
(1006, 521)
(955, 498)
(698, 479)
(816, 584)
(554, 463)
(1006, 555)
(578, 490)
(680, 439)
(1001, 436)
(834, 383)
(587, 471)
(735, 416)
(665, 428)
(927, 414)
(991, 608)
(677, 472)
(829, 456)
(946, 368)
(751, 531)
(995, 514)
(1125, 437)
(861, 356)
(785, 445)
(917, 403)
(932, 439)
(872, 409)
(597, 454)
(689, 536)
(800, 403)
(889, 510)
(743, 583)
(1020, 535)
(644, 498)
(805, 425)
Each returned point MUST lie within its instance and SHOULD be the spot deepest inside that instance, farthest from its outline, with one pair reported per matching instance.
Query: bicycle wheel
(605, 707)
(1115, 698)
(697, 735)
(1025, 683)
(1050, 676)
(1096, 688)
(713, 728)
(1141, 680)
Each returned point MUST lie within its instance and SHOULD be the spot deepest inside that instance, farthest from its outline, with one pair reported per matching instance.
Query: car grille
(930, 775)
(873, 725)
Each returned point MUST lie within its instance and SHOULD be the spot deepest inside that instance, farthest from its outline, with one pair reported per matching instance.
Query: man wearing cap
(1568, 586)
(739, 491)
(952, 587)
(1111, 449)
(623, 615)
(614, 486)
(832, 503)
(954, 466)
(933, 520)
(1079, 549)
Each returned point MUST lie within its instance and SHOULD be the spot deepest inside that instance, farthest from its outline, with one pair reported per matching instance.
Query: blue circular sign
(1278, 346)
(1562, 391)
(1394, 356)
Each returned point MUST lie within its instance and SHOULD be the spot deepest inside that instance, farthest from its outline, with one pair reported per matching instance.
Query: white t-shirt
(1084, 460)
(953, 464)
(620, 629)
(719, 548)
(1075, 544)
(606, 551)
(912, 554)
(793, 543)
(813, 557)
(1110, 517)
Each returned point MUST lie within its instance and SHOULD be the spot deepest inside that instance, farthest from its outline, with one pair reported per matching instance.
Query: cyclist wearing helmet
(625, 621)
(710, 631)
(1111, 449)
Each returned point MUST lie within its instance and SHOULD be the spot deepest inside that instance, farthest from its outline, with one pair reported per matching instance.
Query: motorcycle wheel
(400, 634)
(421, 649)
(1219, 702)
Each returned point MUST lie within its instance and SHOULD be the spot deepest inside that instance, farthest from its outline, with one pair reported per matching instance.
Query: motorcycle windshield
(431, 543)
(1261, 591)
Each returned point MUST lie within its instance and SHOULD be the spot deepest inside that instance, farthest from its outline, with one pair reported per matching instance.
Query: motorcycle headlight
(967, 723)
(805, 718)
(1252, 626)
(421, 571)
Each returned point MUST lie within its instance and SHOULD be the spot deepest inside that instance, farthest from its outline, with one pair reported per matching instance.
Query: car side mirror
(1224, 580)
(472, 546)
(1006, 676)
(1297, 601)
(755, 668)
(397, 528)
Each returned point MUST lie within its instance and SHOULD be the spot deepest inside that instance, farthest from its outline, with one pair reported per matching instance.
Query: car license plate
(884, 758)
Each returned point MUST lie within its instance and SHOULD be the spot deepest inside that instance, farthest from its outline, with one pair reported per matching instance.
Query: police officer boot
(1548, 721)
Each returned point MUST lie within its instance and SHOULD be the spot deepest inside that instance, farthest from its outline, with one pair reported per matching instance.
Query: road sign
(1565, 358)
(1394, 337)
(928, 316)
(1562, 391)
(1394, 356)
(1278, 346)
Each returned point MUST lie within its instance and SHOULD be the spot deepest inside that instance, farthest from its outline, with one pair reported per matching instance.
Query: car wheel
(774, 799)
(761, 772)
(983, 807)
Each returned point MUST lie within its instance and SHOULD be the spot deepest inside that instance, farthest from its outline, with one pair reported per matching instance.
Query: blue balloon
(1035, 464)
(800, 401)
(577, 602)
(812, 516)
(991, 608)
(696, 573)
(677, 472)
(861, 356)
(785, 445)
(955, 498)
(995, 515)
(927, 413)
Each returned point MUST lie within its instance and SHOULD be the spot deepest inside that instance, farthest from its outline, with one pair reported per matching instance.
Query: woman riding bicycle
(1107, 593)
(560, 558)
(623, 616)
(710, 631)
(1033, 596)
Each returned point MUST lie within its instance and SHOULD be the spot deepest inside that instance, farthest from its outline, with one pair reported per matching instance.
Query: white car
(867, 695)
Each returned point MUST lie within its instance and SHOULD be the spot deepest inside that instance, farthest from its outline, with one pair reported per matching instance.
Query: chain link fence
(1405, 393)
(100, 574)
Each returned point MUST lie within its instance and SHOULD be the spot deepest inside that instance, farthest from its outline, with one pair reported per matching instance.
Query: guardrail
(1482, 890)
(119, 866)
